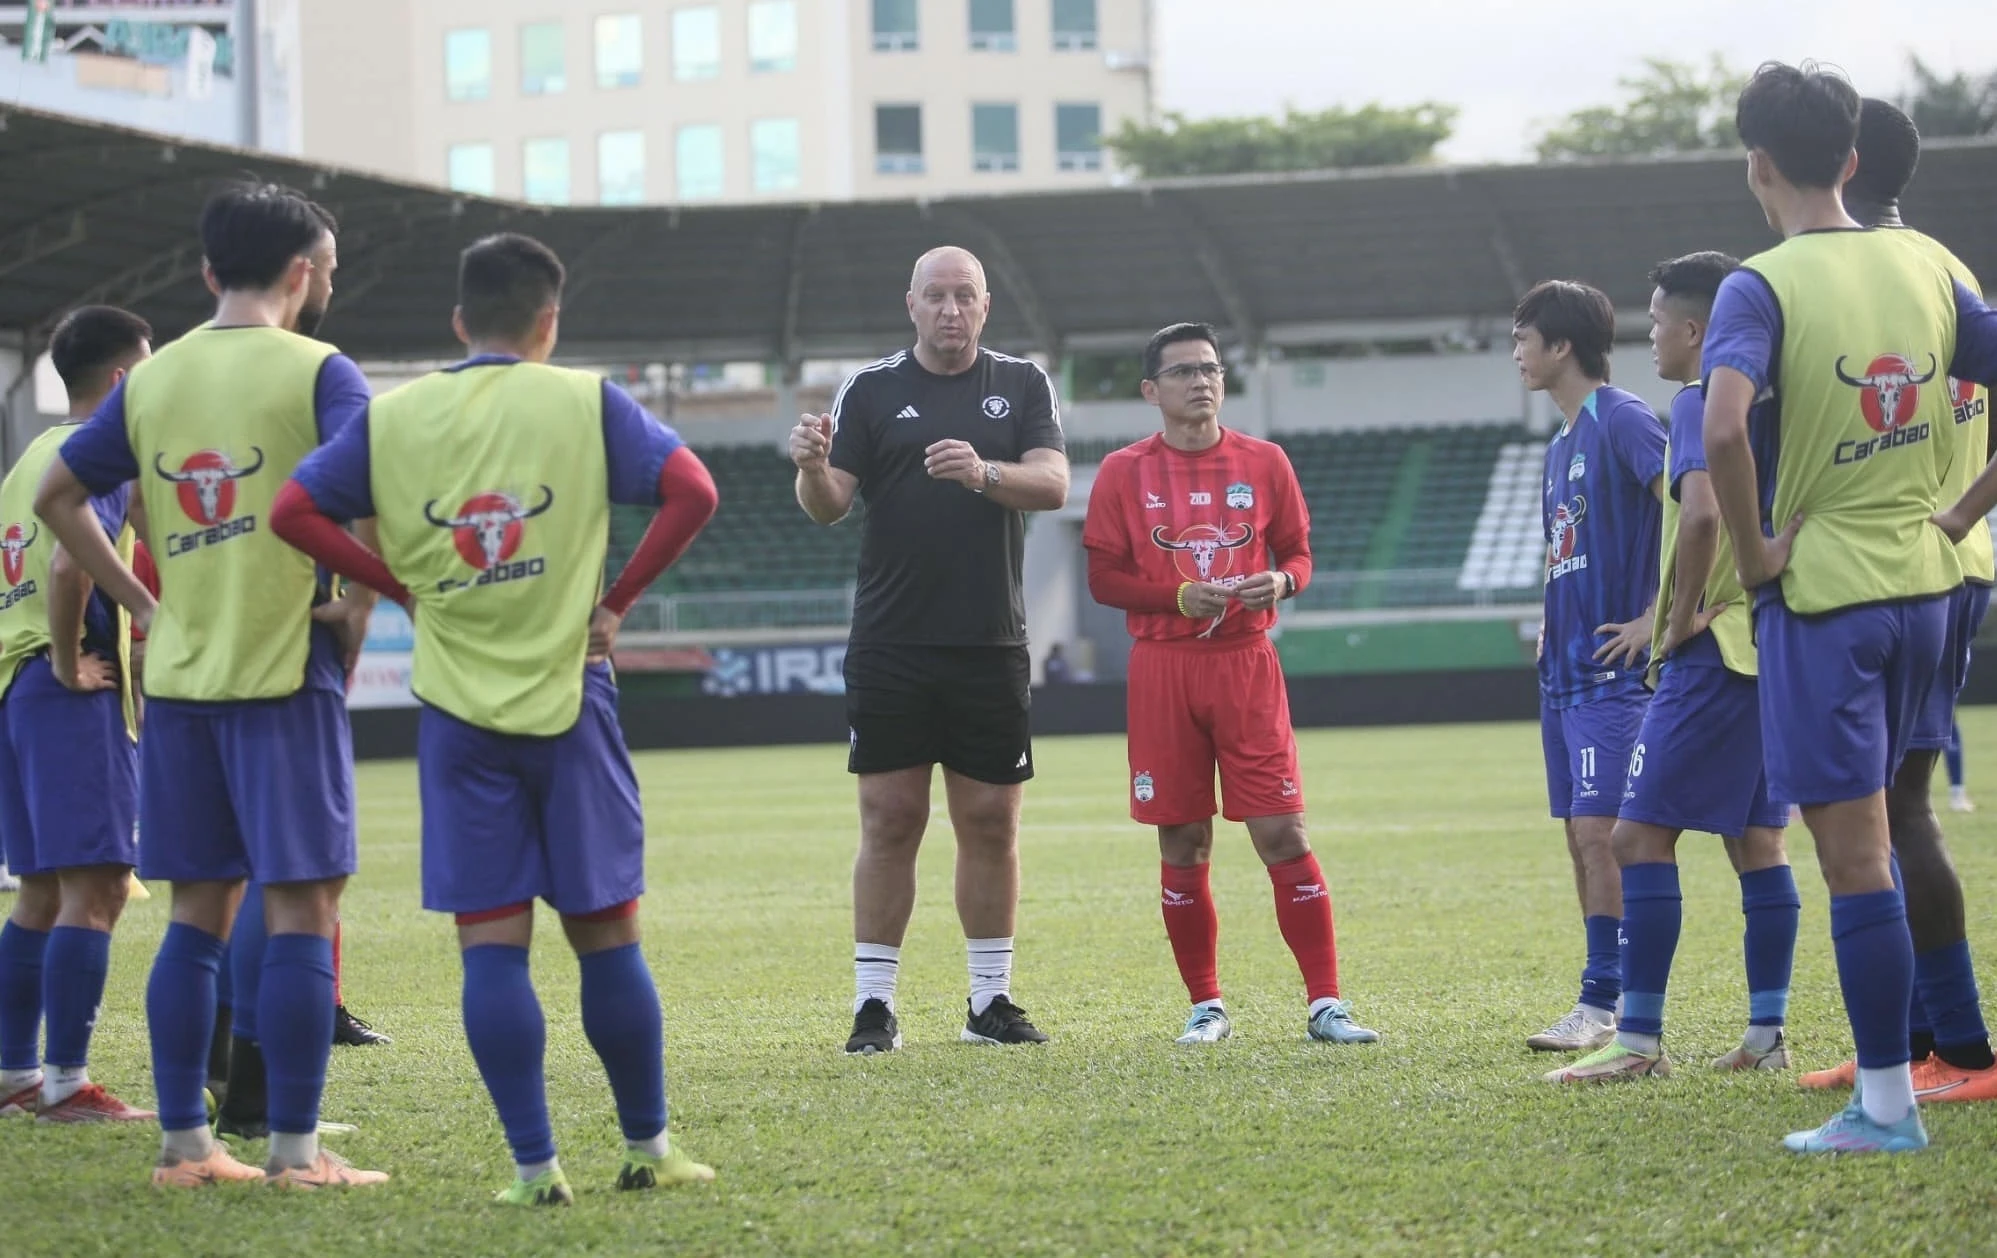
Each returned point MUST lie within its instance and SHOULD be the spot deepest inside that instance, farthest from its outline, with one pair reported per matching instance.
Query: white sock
(12, 1081)
(1322, 1002)
(530, 1171)
(1598, 1017)
(1887, 1095)
(990, 962)
(1761, 1039)
(874, 969)
(290, 1148)
(1638, 1042)
(1210, 1004)
(63, 1082)
(654, 1148)
(192, 1145)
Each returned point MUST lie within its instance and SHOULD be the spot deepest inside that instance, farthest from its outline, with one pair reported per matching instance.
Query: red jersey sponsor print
(1216, 516)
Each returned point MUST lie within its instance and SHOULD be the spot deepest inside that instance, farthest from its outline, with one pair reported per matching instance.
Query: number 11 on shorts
(1587, 762)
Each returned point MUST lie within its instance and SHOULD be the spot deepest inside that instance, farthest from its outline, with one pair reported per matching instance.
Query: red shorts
(1195, 705)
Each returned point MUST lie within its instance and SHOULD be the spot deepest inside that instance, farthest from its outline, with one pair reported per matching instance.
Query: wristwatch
(991, 478)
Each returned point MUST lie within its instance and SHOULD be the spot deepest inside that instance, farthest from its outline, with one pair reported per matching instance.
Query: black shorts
(963, 707)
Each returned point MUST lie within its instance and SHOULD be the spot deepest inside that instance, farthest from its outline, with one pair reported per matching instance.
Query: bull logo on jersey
(1889, 391)
(1563, 536)
(1967, 405)
(14, 543)
(206, 483)
(488, 527)
(1204, 544)
(1566, 528)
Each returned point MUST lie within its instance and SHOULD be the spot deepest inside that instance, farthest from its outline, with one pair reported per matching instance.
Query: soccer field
(1457, 935)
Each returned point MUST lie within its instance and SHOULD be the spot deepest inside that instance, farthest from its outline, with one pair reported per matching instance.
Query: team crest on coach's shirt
(997, 407)
(14, 543)
(1142, 788)
(1889, 396)
(1579, 467)
(1206, 549)
(205, 487)
(487, 531)
(1241, 496)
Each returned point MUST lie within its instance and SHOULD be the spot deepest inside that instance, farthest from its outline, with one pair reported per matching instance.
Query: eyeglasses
(1181, 373)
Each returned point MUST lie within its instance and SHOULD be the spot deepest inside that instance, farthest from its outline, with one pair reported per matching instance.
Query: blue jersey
(1602, 520)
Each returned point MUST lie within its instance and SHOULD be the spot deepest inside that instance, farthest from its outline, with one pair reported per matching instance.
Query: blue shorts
(69, 776)
(1697, 763)
(508, 818)
(1841, 692)
(1587, 753)
(1966, 609)
(261, 790)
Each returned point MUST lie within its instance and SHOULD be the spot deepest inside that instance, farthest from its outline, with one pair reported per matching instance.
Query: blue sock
(1653, 912)
(296, 1002)
(21, 953)
(249, 943)
(1602, 979)
(1952, 755)
(1946, 982)
(1875, 956)
(1920, 1032)
(73, 988)
(1773, 910)
(509, 1041)
(620, 1014)
(180, 1016)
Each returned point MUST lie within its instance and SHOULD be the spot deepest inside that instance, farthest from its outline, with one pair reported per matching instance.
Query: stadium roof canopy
(96, 213)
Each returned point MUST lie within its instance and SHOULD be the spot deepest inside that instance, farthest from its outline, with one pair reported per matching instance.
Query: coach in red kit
(1197, 533)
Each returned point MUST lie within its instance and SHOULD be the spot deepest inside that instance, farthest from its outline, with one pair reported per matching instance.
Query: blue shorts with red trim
(509, 818)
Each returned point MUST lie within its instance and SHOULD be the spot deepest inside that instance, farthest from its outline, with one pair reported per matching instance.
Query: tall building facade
(693, 101)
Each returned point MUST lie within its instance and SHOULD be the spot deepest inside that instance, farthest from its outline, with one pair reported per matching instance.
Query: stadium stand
(1400, 518)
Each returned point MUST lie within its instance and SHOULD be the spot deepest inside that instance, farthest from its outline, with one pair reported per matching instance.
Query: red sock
(1193, 926)
(1303, 913)
(338, 999)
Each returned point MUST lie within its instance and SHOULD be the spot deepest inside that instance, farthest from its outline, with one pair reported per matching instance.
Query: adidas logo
(908, 412)
(1022, 761)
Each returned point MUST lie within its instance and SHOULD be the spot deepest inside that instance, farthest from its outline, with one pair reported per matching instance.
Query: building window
(898, 139)
(774, 145)
(541, 56)
(470, 169)
(696, 43)
(544, 175)
(1078, 141)
(991, 26)
(620, 167)
(468, 65)
(620, 51)
(1074, 25)
(995, 137)
(894, 26)
(700, 163)
(772, 36)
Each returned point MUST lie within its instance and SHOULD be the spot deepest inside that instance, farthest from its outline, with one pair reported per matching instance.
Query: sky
(1514, 67)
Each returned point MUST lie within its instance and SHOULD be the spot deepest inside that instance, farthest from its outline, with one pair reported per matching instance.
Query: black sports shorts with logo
(963, 707)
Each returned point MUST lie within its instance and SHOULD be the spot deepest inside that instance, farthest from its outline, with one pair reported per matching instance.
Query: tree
(1375, 135)
(1670, 108)
(1954, 106)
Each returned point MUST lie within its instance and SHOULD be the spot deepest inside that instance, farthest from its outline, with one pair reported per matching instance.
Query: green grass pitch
(1458, 935)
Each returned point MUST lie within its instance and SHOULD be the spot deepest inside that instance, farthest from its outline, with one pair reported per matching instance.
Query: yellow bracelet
(1183, 587)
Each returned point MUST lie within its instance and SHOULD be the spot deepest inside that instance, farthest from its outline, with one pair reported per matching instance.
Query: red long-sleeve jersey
(1160, 517)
